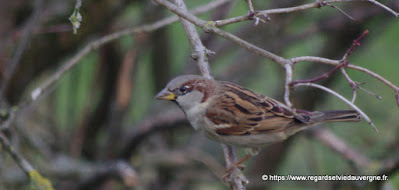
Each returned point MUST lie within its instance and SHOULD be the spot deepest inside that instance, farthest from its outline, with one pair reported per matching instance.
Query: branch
(199, 51)
(36, 180)
(19, 159)
(351, 66)
(364, 116)
(26, 35)
(236, 179)
(154, 123)
(118, 169)
(339, 145)
(389, 166)
(200, 54)
(211, 27)
(296, 9)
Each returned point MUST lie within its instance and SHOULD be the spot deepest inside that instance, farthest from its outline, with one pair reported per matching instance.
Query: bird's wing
(239, 111)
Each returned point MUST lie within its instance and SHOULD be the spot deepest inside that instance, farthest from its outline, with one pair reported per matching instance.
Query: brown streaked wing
(239, 111)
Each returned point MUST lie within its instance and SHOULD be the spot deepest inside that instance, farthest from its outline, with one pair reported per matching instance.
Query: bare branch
(210, 27)
(351, 83)
(352, 66)
(199, 51)
(118, 169)
(388, 166)
(323, 76)
(340, 10)
(296, 9)
(200, 54)
(20, 160)
(337, 144)
(236, 179)
(26, 35)
(355, 44)
(148, 126)
(372, 1)
(365, 117)
(288, 81)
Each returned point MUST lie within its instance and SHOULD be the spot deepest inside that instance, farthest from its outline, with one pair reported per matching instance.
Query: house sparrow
(236, 116)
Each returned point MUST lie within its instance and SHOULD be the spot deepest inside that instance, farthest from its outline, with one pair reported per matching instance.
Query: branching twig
(323, 76)
(351, 66)
(352, 83)
(296, 9)
(211, 27)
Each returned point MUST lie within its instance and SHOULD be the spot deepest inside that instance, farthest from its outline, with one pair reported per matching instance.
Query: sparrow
(233, 115)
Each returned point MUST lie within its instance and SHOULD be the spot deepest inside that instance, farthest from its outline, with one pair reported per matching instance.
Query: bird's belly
(253, 140)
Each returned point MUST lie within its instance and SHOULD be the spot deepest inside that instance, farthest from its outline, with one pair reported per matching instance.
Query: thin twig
(351, 83)
(21, 161)
(364, 116)
(372, 1)
(351, 66)
(296, 9)
(355, 44)
(26, 35)
(342, 11)
(323, 76)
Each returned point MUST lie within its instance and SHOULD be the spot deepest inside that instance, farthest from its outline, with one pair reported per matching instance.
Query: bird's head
(187, 90)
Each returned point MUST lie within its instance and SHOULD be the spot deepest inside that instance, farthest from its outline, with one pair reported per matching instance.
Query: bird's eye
(183, 90)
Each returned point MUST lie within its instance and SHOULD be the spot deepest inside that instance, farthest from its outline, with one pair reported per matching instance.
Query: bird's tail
(335, 116)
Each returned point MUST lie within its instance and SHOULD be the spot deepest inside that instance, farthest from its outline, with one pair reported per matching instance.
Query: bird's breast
(196, 115)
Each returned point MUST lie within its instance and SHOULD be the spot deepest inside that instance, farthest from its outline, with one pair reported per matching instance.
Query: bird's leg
(249, 152)
(235, 165)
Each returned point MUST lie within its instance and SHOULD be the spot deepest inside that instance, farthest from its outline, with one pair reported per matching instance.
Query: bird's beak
(166, 95)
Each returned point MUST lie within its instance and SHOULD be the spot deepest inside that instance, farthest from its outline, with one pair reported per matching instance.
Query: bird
(234, 115)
